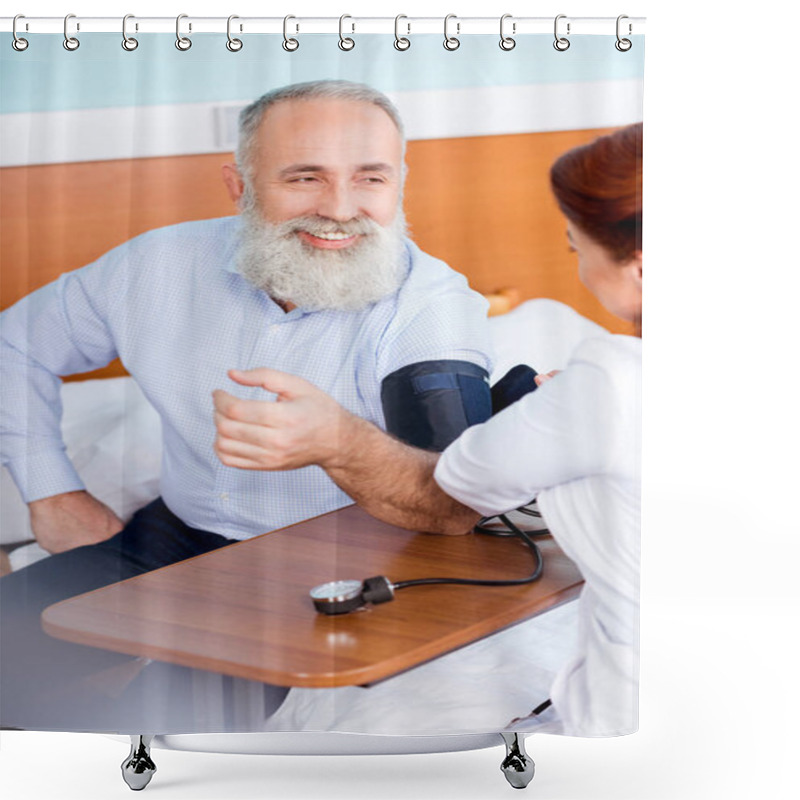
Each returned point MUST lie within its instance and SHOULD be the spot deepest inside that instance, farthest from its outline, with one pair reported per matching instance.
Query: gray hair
(250, 117)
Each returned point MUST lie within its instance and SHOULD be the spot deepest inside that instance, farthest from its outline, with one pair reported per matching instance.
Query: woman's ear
(233, 181)
(636, 268)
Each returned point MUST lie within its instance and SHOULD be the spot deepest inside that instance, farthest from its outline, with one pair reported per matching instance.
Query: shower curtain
(118, 162)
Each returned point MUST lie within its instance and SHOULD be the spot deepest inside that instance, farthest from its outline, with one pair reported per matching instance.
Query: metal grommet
(70, 42)
(234, 45)
(451, 42)
(400, 42)
(18, 43)
(561, 43)
(290, 45)
(507, 42)
(182, 42)
(128, 42)
(623, 45)
(346, 43)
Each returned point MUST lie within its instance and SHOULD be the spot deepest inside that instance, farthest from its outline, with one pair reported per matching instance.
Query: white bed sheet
(478, 688)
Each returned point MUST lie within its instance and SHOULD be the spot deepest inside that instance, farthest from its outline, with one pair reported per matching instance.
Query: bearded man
(315, 277)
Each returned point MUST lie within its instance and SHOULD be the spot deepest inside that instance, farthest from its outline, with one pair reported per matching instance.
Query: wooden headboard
(482, 203)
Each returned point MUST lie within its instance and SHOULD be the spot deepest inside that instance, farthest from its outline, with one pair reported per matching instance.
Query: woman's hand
(543, 377)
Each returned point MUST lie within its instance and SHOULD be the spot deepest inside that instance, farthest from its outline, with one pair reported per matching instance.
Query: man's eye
(303, 179)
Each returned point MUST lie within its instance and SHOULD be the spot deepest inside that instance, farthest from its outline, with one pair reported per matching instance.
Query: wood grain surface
(245, 610)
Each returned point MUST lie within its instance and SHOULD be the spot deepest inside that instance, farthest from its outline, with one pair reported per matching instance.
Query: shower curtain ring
(128, 42)
(507, 42)
(290, 45)
(234, 45)
(19, 44)
(451, 42)
(400, 42)
(70, 42)
(561, 43)
(623, 45)
(182, 42)
(346, 43)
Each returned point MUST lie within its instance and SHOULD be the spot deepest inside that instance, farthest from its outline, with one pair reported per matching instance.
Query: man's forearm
(305, 426)
(394, 482)
(38, 343)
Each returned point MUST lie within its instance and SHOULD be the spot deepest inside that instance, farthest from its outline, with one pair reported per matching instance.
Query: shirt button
(224, 496)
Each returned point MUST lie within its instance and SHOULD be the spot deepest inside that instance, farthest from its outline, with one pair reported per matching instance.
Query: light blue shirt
(172, 306)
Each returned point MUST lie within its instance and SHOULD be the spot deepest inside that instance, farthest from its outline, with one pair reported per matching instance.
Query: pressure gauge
(338, 597)
(342, 597)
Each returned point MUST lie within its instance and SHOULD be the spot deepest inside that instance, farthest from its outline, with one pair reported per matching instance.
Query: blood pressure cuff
(429, 404)
(516, 383)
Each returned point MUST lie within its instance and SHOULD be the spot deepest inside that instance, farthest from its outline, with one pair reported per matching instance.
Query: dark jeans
(50, 684)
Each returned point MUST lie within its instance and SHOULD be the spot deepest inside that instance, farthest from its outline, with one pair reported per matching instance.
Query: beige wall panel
(485, 207)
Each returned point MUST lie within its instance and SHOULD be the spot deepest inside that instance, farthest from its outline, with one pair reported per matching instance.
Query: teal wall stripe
(100, 74)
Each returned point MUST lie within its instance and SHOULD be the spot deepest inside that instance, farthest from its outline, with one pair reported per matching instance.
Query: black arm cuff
(429, 404)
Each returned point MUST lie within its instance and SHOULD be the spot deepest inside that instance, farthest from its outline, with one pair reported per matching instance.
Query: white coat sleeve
(556, 434)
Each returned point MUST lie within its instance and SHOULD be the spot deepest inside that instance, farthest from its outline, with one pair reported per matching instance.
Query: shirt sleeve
(438, 317)
(562, 432)
(61, 329)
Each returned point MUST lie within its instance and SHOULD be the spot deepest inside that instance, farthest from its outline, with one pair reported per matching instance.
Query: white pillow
(113, 436)
(541, 333)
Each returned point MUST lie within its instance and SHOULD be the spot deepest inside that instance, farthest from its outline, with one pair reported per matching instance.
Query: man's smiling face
(320, 200)
(333, 159)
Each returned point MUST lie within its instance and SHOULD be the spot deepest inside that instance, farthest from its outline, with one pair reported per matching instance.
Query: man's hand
(303, 426)
(387, 478)
(73, 519)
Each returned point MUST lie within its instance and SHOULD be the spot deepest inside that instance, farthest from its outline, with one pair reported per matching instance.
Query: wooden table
(244, 610)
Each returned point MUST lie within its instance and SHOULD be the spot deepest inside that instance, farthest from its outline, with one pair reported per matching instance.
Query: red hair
(599, 189)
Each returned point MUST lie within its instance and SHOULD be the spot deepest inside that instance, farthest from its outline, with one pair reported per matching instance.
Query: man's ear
(233, 181)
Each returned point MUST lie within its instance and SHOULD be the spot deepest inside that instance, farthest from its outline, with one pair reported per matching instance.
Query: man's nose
(337, 201)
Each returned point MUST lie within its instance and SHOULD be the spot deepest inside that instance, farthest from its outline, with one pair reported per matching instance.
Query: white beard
(274, 258)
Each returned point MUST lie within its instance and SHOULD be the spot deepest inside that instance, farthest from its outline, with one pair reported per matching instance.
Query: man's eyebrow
(377, 167)
(295, 168)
